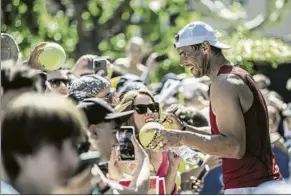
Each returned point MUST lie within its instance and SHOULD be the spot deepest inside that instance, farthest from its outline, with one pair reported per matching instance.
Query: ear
(206, 47)
(93, 132)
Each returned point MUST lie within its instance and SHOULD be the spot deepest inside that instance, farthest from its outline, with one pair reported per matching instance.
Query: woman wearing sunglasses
(58, 81)
(162, 164)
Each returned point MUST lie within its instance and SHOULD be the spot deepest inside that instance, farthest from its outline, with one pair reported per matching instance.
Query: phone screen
(126, 146)
(100, 64)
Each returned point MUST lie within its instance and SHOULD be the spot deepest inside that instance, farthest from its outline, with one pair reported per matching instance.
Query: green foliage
(42, 27)
(104, 28)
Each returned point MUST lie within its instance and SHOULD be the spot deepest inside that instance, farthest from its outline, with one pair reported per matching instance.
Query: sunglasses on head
(143, 109)
(57, 82)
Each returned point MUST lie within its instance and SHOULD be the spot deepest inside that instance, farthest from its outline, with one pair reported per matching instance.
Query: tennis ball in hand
(52, 57)
(148, 133)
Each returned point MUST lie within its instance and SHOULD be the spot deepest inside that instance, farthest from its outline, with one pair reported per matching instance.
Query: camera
(99, 65)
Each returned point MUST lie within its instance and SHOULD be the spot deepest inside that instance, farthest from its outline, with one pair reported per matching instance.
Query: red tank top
(258, 164)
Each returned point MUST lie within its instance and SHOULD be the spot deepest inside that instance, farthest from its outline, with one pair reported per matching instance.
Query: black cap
(98, 111)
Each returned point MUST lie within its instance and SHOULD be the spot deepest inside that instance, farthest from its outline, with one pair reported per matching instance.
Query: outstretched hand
(33, 59)
(168, 139)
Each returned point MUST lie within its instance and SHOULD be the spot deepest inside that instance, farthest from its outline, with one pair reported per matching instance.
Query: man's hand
(174, 121)
(168, 138)
(212, 161)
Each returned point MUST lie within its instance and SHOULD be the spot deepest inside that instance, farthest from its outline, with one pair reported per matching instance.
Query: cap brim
(122, 116)
(221, 46)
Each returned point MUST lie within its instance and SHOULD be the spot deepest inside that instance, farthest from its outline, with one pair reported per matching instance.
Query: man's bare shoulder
(227, 83)
(231, 88)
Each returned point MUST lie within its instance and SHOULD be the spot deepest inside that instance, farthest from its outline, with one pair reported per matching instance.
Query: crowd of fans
(50, 118)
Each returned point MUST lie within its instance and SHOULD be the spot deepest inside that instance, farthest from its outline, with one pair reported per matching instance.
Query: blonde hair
(131, 96)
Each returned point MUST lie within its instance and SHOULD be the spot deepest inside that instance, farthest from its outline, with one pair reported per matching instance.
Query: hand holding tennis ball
(47, 56)
(148, 133)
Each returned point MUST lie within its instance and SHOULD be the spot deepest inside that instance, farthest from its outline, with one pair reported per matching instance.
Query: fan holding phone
(93, 64)
(104, 126)
(161, 164)
(125, 145)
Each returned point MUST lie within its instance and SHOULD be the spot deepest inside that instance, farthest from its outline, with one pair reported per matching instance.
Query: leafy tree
(103, 27)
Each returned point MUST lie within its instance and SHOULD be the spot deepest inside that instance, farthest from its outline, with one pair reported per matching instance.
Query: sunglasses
(57, 82)
(143, 109)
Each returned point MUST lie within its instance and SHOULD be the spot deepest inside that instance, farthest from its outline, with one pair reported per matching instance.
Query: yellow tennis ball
(52, 58)
(148, 133)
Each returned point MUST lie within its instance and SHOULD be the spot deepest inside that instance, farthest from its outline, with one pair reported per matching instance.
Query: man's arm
(229, 119)
(199, 130)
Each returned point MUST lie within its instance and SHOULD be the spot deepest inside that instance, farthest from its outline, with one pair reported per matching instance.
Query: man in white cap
(239, 131)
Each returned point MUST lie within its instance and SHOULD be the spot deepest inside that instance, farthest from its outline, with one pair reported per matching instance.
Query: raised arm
(140, 181)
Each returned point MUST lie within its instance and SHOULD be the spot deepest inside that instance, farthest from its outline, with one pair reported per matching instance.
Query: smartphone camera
(126, 147)
(100, 65)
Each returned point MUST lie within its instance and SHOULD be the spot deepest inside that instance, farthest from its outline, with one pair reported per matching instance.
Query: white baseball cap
(196, 33)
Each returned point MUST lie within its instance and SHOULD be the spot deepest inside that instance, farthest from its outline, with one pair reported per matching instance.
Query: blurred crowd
(53, 116)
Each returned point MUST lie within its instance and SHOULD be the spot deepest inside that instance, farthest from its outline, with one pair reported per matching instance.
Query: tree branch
(116, 18)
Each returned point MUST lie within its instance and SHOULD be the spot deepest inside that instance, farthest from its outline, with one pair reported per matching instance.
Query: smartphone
(100, 64)
(86, 160)
(162, 58)
(125, 145)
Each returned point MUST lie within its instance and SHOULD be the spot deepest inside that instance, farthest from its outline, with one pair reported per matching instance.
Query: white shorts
(240, 191)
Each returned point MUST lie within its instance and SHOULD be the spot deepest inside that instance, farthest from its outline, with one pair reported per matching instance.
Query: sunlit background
(259, 31)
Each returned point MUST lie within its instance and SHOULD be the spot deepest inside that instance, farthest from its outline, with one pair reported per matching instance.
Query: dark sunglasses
(57, 82)
(143, 109)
